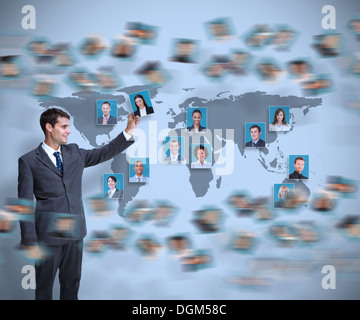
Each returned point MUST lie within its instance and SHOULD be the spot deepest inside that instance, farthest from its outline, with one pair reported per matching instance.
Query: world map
(223, 113)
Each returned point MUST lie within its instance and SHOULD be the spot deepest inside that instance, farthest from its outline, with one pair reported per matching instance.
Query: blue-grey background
(328, 133)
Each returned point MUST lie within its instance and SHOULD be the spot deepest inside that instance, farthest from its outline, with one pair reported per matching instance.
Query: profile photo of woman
(196, 118)
(279, 122)
(142, 108)
(200, 153)
(113, 191)
(283, 194)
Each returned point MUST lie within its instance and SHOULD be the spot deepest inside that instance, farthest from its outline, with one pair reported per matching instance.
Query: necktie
(253, 144)
(138, 179)
(59, 165)
(105, 120)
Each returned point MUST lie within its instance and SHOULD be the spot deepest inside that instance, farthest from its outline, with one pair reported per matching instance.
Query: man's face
(355, 25)
(106, 109)
(174, 148)
(239, 58)
(299, 165)
(156, 76)
(139, 168)
(218, 29)
(299, 68)
(185, 49)
(63, 224)
(255, 134)
(283, 36)
(59, 133)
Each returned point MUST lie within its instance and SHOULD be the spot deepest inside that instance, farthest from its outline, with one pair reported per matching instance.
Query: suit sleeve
(25, 191)
(98, 155)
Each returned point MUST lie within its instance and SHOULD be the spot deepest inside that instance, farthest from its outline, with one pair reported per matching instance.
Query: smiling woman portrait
(279, 122)
(113, 192)
(142, 108)
(200, 153)
(196, 118)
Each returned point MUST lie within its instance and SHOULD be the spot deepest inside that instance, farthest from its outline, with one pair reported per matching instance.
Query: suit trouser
(67, 258)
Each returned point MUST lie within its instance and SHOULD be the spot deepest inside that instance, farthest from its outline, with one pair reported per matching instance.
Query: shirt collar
(50, 151)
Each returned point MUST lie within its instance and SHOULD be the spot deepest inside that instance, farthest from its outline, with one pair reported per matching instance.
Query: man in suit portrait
(184, 51)
(255, 132)
(173, 155)
(106, 117)
(52, 173)
(299, 164)
(139, 169)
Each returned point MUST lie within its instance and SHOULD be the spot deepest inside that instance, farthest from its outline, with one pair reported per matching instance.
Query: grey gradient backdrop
(334, 129)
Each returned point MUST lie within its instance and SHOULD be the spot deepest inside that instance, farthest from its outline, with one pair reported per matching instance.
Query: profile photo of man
(104, 108)
(185, 50)
(219, 29)
(255, 132)
(137, 173)
(63, 225)
(300, 165)
(8, 67)
(173, 152)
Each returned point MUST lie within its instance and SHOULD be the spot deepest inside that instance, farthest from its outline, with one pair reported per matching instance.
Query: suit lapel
(65, 158)
(44, 158)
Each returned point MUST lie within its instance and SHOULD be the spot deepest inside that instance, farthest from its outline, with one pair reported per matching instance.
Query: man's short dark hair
(105, 102)
(51, 116)
(299, 158)
(255, 126)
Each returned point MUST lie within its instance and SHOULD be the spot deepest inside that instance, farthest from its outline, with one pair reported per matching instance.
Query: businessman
(299, 164)
(106, 117)
(139, 169)
(255, 132)
(173, 155)
(53, 174)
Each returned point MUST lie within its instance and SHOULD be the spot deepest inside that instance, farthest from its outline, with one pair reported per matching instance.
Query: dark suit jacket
(192, 128)
(260, 143)
(296, 175)
(279, 204)
(186, 59)
(112, 120)
(54, 193)
(117, 194)
(149, 110)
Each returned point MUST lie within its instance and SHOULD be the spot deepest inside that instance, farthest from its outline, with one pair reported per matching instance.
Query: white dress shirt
(198, 164)
(143, 112)
(50, 152)
(111, 192)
